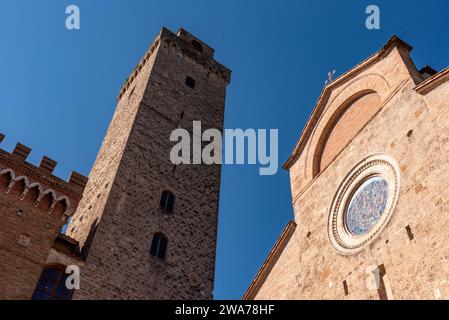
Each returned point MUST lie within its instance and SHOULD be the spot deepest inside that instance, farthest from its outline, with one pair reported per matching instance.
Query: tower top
(187, 45)
(196, 43)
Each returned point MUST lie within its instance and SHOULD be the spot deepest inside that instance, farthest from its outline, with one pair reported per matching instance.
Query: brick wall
(34, 205)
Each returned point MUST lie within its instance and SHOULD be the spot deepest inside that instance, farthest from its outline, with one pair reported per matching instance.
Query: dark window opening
(409, 233)
(182, 115)
(345, 287)
(159, 246)
(309, 234)
(382, 290)
(409, 134)
(190, 82)
(167, 202)
(197, 45)
(51, 285)
(132, 92)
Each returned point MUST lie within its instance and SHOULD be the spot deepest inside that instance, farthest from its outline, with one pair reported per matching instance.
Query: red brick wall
(34, 205)
(29, 224)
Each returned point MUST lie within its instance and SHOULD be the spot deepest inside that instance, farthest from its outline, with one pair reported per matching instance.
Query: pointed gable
(346, 105)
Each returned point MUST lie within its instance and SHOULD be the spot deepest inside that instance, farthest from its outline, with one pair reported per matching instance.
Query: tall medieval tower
(149, 228)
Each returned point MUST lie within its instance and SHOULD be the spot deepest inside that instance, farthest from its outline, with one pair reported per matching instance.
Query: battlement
(189, 46)
(196, 43)
(15, 170)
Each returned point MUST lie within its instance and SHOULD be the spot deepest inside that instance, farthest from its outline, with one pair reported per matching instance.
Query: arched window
(159, 246)
(197, 45)
(51, 285)
(167, 202)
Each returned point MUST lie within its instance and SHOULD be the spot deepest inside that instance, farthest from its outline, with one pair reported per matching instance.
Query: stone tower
(176, 82)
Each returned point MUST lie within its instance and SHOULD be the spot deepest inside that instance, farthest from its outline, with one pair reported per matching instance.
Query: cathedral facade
(141, 227)
(369, 181)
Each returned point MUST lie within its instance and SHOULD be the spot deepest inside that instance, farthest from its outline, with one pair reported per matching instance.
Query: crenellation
(78, 180)
(43, 173)
(47, 164)
(21, 151)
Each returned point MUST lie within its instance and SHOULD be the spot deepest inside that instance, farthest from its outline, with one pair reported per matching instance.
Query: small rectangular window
(190, 82)
(345, 287)
(167, 202)
(159, 246)
(409, 233)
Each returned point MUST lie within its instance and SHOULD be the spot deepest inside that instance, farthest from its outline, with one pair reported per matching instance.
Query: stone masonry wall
(413, 129)
(134, 161)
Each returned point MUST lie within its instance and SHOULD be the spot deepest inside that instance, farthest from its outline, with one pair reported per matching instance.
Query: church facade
(141, 227)
(369, 181)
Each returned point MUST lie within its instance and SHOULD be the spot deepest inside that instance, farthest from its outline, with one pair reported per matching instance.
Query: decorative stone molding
(27, 185)
(345, 241)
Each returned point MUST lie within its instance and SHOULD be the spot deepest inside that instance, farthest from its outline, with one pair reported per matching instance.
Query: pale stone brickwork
(34, 205)
(348, 125)
(120, 206)
(412, 126)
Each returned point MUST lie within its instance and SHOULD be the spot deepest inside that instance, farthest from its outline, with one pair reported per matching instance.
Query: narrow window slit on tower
(159, 246)
(345, 287)
(409, 233)
(190, 82)
(167, 202)
(132, 92)
(382, 288)
(182, 115)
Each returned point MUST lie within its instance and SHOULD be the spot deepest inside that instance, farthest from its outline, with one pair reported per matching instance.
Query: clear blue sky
(59, 87)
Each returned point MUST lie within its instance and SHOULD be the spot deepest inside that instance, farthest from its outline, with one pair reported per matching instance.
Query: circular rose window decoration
(363, 203)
